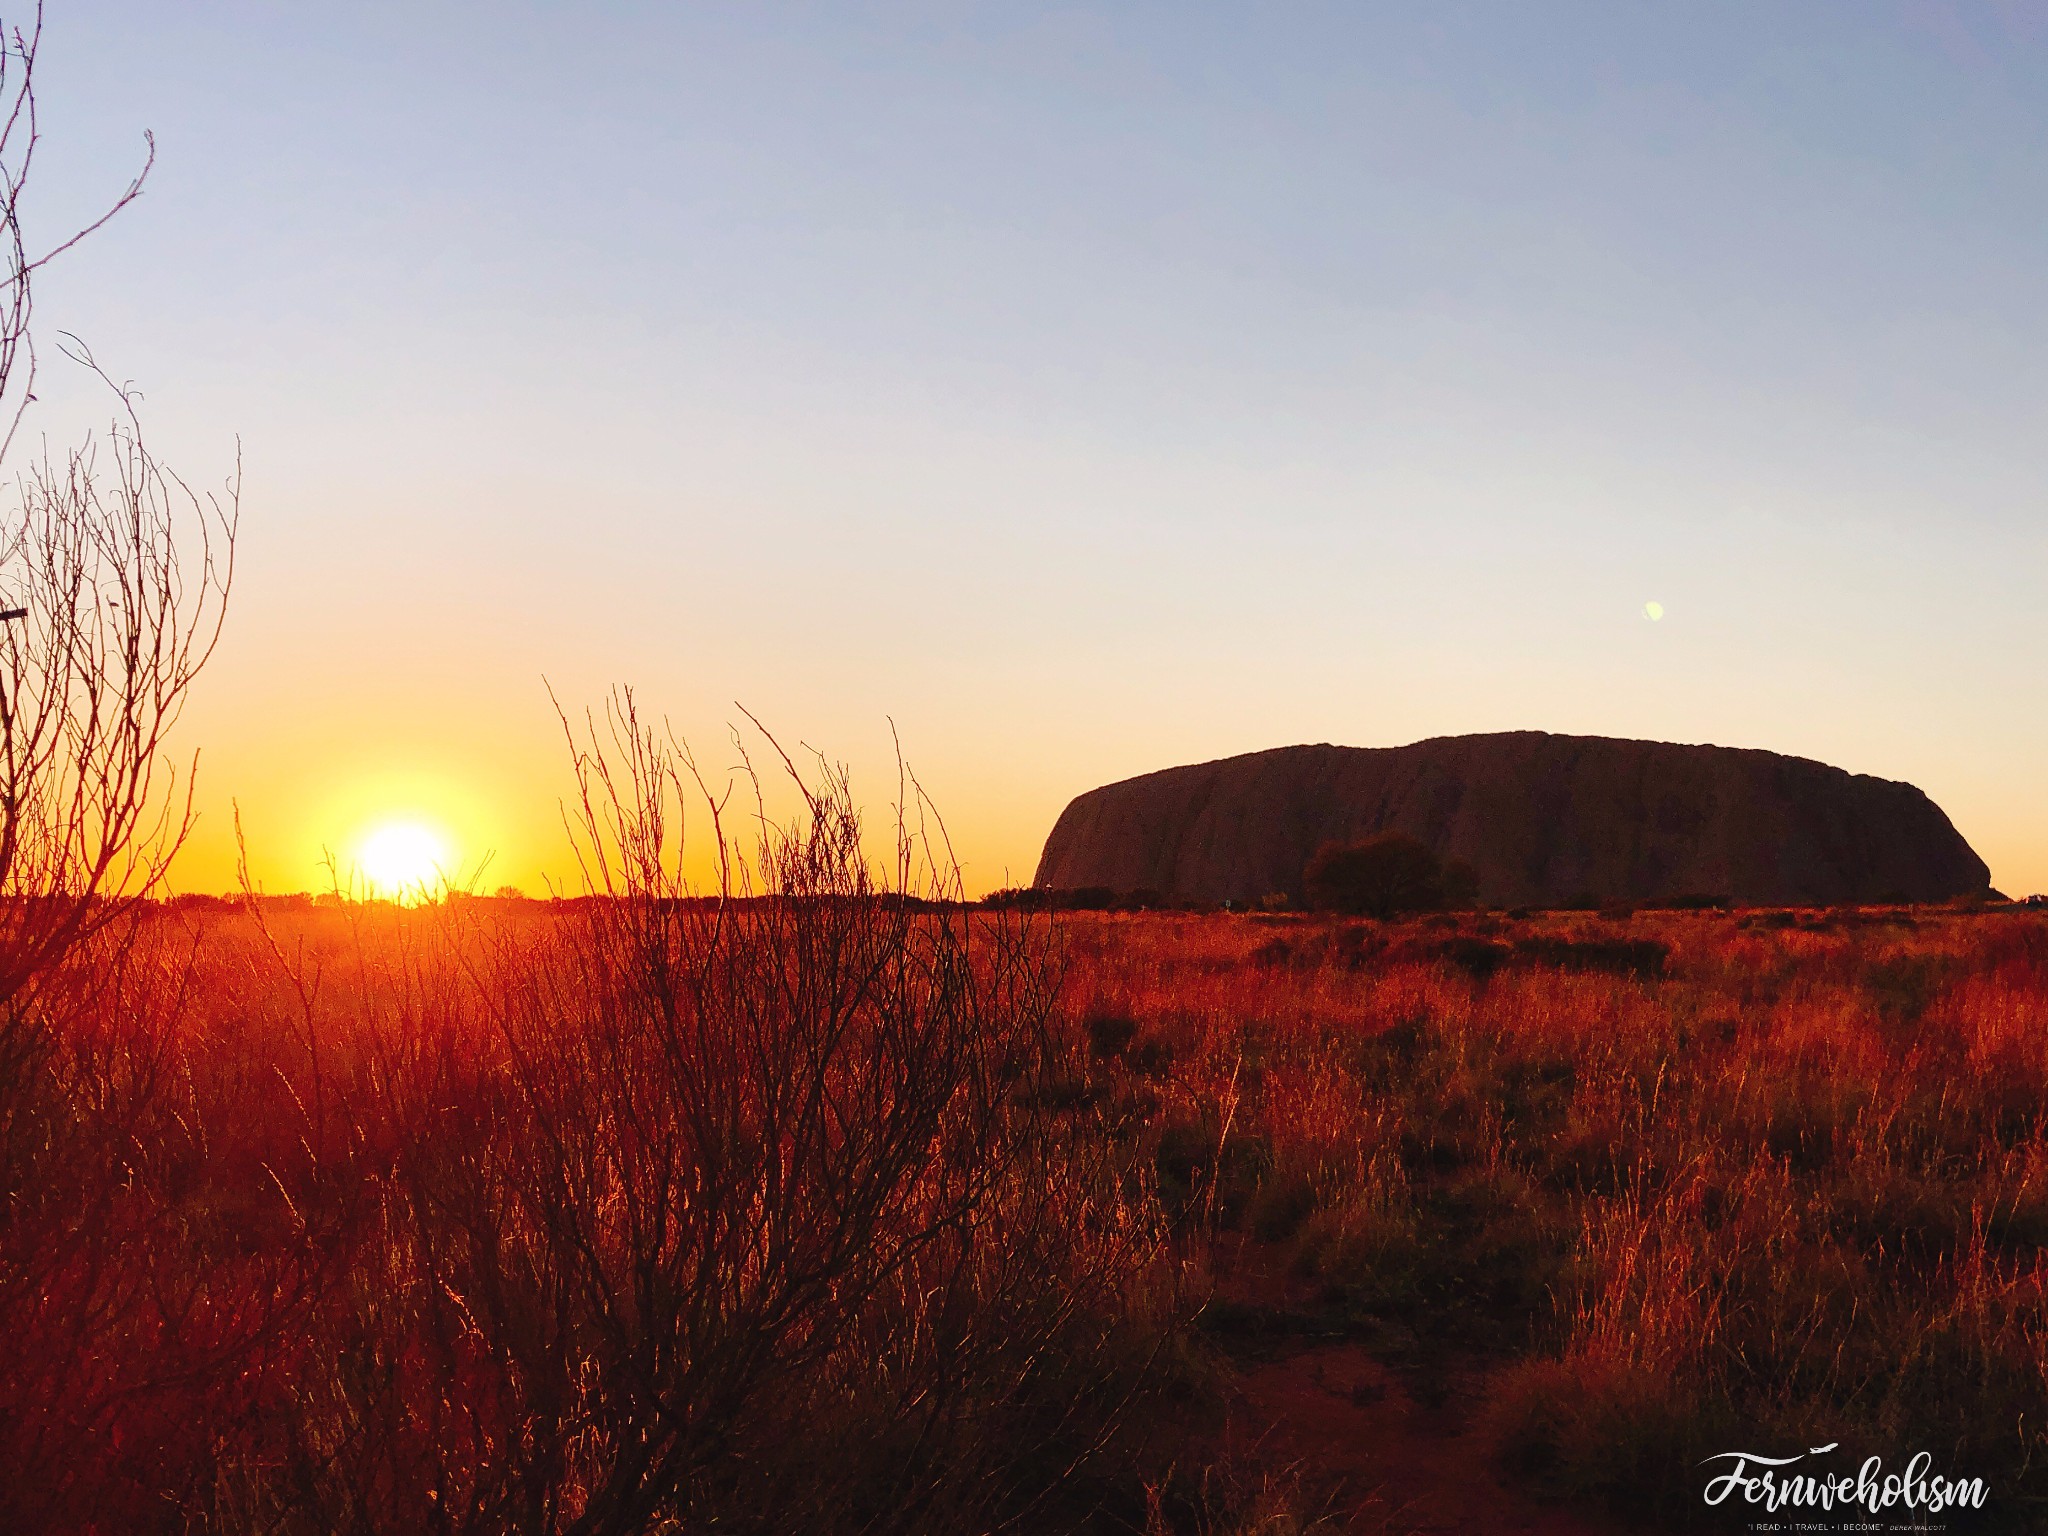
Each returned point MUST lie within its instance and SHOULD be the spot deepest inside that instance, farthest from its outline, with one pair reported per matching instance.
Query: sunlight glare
(404, 861)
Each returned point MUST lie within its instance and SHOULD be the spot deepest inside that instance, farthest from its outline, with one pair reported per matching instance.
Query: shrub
(1640, 958)
(1384, 876)
(1109, 1034)
(113, 580)
(792, 1166)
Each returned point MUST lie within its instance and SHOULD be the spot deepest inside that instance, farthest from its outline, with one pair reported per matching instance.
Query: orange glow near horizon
(319, 817)
(493, 784)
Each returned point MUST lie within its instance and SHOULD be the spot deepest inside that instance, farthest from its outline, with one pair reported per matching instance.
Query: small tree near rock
(1383, 876)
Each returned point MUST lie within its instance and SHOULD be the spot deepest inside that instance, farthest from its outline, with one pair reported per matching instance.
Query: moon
(1653, 611)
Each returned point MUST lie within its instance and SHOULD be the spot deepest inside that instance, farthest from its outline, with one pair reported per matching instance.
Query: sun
(404, 860)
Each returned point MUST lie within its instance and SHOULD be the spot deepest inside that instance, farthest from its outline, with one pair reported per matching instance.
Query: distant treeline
(302, 901)
(1092, 898)
(1089, 898)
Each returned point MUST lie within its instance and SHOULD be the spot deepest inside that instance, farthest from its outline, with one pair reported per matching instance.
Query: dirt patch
(1392, 1451)
(1349, 1423)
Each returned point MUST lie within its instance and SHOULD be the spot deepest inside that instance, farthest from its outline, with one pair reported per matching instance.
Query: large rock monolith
(1544, 820)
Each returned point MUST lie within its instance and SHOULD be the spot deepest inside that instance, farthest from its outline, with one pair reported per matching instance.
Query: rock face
(1543, 819)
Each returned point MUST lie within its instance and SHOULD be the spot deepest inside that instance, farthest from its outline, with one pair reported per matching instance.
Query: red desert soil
(1352, 1431)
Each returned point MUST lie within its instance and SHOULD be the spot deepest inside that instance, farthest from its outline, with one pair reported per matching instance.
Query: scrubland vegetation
(753, 1214)
(1679, 1183)
(829, 1213)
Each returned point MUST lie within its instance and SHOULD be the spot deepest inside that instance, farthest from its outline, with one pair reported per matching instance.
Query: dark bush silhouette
(1383, 876)
(1641, 958)
(112, 578)
(1477, 958)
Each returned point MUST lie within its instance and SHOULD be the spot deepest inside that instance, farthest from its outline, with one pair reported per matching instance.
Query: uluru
(1543, 819)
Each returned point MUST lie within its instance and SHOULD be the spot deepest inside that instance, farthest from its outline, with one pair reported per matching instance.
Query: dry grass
(1690, 1180)
(832, 1214)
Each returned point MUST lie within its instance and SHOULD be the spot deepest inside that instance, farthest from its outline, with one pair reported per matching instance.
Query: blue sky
(1089, 389)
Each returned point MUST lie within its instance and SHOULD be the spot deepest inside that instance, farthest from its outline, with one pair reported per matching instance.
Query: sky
(1070, 391)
